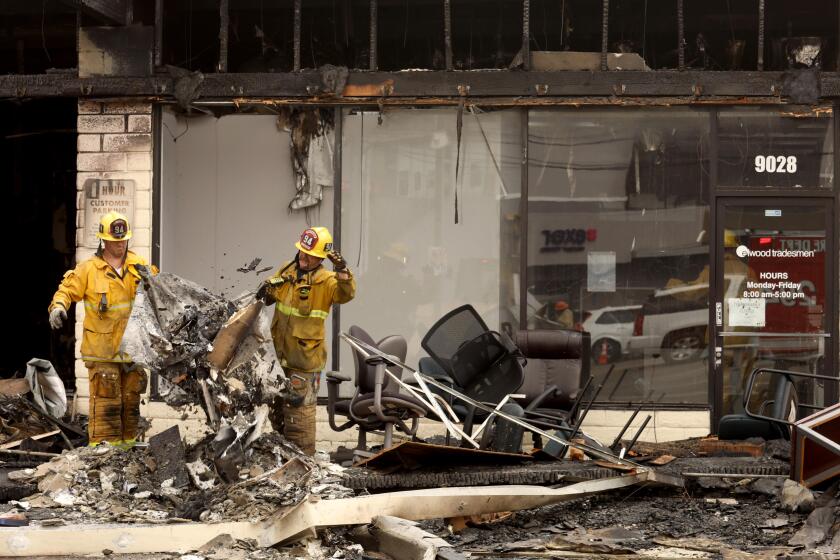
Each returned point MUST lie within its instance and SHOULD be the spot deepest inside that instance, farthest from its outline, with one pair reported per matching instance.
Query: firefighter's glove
(57, 317)
(339, 264)
(264, 294)
(143, 271)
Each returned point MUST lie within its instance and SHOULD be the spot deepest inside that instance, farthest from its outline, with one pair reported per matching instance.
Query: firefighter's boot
(299, 410)
(133, 387)
(105, 415)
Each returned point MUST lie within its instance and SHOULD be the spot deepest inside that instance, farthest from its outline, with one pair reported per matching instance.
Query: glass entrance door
(773, 295)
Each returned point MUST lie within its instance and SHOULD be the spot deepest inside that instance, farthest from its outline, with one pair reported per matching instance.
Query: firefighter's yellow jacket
(300, 313)
(108, 299)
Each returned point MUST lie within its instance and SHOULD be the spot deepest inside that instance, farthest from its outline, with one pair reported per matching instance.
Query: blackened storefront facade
(663, 179)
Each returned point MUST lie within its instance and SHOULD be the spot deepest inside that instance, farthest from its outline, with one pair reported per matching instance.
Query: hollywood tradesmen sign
(787, 276)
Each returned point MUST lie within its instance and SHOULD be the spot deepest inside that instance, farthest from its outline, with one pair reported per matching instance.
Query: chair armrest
(535, 404)
(337, 377)
(334, 379)
(440, 377)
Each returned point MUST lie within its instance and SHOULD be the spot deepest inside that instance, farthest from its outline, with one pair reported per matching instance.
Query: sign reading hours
(103, 196)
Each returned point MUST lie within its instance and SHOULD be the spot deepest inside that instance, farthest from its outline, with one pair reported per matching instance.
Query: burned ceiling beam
(296, 41)
(605, 32)
(760, 35)
(447, 32)
(681, 34)
(312, 85)
(374, 39)
(158, 46)
(224, 28)
(526, 35)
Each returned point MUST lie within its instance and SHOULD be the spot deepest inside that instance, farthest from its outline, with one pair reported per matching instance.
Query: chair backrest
(394, 345)
(474, 357)
(358, 358)
(498, 378)
(449, 333)
(555, 357)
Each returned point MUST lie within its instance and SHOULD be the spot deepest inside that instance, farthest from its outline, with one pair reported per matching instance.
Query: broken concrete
(795, 497)
(402, 539)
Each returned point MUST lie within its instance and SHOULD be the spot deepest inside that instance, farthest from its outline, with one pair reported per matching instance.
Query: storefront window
(419, 241)
(772, 148)
(618, 244)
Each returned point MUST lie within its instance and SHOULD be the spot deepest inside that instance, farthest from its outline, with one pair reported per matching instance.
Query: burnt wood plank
(311, 85)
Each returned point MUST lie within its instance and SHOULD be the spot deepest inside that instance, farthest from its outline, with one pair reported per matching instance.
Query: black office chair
(556, 377)
(480, 363)
(377, 403)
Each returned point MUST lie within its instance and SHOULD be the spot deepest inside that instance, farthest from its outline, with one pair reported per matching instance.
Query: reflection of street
(635, 378)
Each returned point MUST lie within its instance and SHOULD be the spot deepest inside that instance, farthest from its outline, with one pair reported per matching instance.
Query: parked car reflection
(610, 329)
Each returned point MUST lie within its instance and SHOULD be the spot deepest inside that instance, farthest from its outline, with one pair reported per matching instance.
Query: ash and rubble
(740, 516)
(19, 419)
(171, 330)
(106, 484)
(239, 472)
(248, 472)
(712, 517)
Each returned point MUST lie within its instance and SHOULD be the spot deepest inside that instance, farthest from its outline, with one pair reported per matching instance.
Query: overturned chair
(557, 376)
(377, 404)
(482, 364)
(487, 366)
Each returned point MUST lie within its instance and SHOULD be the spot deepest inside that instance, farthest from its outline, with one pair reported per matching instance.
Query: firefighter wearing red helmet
(107, 283)
(303, 292)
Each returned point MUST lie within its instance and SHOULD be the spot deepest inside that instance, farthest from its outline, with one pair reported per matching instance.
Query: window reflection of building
(635, 185)
(618, 217)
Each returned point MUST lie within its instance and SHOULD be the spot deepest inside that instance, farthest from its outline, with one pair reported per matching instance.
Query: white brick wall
(114, 142)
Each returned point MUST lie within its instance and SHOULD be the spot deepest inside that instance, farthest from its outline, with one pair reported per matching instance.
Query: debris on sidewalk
(105, 484)
(283, 497)
(795, 497)
(245, 492)
(402, 539)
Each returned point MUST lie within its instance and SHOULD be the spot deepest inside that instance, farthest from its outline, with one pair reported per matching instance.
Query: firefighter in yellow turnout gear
(106, 283)
(303, 292)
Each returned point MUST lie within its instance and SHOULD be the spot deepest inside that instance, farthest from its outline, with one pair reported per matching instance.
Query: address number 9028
(775, 164)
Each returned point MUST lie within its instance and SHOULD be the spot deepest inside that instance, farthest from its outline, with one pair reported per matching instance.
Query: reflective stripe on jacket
(300, 312)
(107, 299)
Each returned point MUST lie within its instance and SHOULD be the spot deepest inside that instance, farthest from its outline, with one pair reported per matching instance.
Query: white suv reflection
(674, 321)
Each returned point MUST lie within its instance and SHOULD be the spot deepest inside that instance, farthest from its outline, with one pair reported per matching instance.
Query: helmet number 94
(775, 164)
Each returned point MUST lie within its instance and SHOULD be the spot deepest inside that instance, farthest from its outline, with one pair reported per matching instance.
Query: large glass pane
(419, 241)
(618, 244)
(226, 186)
(767, 147)
(773, 296)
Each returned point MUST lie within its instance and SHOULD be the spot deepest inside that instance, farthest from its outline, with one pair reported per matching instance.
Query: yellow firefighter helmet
(114, 226)
(316, 241)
